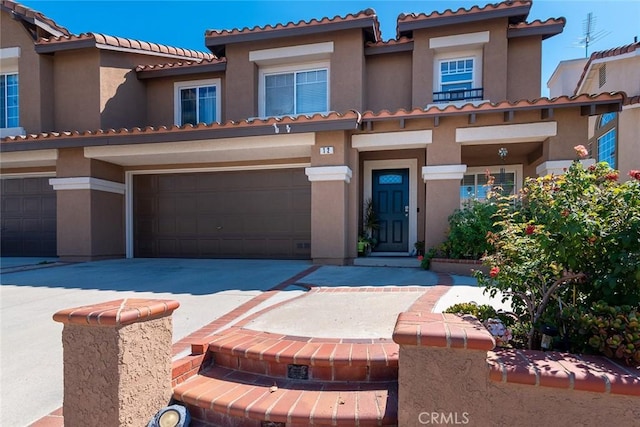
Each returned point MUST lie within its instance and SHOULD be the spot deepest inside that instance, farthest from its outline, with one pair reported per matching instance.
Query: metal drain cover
(298, 372)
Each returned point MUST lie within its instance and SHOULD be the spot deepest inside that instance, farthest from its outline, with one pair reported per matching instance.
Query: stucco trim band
(459, 40)
(307, 52)
(559, 167)
(525, 132)
(442, 172)
(87, 183)
(392, 140)
(329, 173)
(29, 158)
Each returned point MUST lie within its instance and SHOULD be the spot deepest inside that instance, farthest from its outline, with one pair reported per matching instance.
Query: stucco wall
(329, 211)
(628, 141)
(455, 381)
(387, 82)
(135, 358)
(77, 90)
(34, 75)
(524, 68)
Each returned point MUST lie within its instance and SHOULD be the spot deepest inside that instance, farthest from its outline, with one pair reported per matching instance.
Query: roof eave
(182, 71)
(182, 135)
(545, 31)
(518, 12)
(216, 43)
(391, 48)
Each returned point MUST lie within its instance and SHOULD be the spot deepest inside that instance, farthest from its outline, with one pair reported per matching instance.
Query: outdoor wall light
(548, 332)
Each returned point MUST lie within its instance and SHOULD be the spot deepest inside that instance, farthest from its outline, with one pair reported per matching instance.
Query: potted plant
(367, 240)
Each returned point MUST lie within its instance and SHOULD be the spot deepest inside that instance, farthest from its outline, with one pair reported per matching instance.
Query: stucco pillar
(329, 213)
(442, 199)
(117, 361)
(442, 369)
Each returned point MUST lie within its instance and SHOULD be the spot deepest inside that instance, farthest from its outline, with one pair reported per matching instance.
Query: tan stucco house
(268, 144)
(614, 137)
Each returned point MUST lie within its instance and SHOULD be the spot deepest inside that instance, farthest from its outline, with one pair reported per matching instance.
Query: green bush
(468, 228)
(610, 330)
(573, 239)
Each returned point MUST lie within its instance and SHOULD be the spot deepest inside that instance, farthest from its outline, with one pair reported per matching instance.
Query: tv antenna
(591, 35)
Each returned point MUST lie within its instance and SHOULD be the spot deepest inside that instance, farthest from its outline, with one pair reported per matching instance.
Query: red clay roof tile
(365, 15)
(546, 29)
(181, 64)
(516, 10)
(100, 40)
(25, 12)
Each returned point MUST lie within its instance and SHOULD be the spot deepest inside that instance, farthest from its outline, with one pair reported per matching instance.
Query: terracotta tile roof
(181, 68)
(632, 100)
(53, 44)
(620, 50)
(363, 19)
(393, 45)
(490, 107)
(516, 11)
(32, 16)
(231, 128)
(546, 29)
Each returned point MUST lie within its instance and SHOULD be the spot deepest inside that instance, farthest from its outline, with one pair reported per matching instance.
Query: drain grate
(298, 372)
(272, 424)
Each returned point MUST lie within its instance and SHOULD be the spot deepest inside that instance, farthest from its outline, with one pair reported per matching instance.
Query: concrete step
(225, 397)
(318, 359)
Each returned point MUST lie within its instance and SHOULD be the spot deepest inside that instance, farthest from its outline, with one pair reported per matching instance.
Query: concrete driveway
(32, 290)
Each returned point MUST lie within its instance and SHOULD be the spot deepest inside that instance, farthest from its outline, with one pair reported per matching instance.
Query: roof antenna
(591, 35)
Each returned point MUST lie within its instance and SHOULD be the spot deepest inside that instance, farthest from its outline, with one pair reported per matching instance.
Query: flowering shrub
(572, 239)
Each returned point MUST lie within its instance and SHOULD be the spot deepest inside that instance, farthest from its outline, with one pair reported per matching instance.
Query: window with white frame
(197, 102)
(294, 90)
(475, 183)
(606, 138)
(9, 108)
(458, 76)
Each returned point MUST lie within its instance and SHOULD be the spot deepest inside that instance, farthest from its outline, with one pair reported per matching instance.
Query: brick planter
(450, 374)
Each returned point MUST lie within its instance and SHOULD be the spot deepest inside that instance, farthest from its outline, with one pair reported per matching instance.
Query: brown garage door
(248, 214)
(28, 217)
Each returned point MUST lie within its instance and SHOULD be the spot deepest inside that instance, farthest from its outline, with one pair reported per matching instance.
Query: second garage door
(247, 214)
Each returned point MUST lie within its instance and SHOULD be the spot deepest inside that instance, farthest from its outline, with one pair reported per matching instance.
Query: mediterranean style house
(269, 144)
(614, 137)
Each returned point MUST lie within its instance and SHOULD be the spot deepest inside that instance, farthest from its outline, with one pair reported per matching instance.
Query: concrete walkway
(31, 348)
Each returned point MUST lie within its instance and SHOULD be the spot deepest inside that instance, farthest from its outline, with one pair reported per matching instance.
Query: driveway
(32, 290)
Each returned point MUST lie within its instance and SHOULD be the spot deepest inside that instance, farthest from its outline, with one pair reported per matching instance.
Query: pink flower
(581, 151)
(420, 257)
(530, 229)
(612, 176)
(494, 272)
(635, 174)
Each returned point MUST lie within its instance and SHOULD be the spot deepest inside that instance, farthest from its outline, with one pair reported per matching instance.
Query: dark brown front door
(28, 217)
(247, 214)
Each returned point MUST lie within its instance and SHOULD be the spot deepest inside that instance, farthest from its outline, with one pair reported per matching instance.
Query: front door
(391, 203)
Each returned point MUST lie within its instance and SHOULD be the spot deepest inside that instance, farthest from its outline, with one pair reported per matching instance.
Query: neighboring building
(299, 125)
(614, 137)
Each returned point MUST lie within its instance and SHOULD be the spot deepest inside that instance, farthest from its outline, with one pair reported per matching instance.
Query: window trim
(600, 131)
(190, 84)
(291, 68)
(440, 57)
(6, 129)
(494, 170)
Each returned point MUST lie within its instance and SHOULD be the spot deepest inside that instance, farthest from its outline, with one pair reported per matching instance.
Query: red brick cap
(442, 330)
(117, 313)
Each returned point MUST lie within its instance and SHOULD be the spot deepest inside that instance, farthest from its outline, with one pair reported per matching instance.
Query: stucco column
(117, 361)
(442, 198)
(329, 213)
(442, 369)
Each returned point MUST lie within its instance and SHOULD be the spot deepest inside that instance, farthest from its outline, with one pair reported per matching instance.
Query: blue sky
(183, 23)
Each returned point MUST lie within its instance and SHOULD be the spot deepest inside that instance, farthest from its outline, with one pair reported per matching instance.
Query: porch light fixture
(502, 152)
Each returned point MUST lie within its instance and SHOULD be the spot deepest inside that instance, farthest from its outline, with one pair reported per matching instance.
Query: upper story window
(457, 66)
(9, 98)
(606, 138)
(294, 90)
(197, 102)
